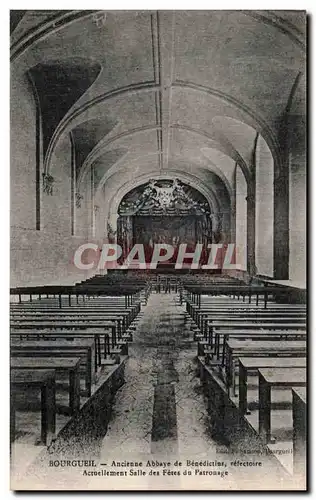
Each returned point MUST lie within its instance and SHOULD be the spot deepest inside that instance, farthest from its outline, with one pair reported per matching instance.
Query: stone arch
(112, 209)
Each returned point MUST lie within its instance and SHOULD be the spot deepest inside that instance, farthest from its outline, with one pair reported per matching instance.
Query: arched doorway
(166, 211)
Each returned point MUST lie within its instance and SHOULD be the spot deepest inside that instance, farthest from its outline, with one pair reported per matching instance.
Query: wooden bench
(60, 348)
(131, 294)
(45, 325)
(270, 378)
(43, 380)
(67, 335)
(120, 316)
(224, 302)
(126, 315)
(255, 348)
(205, 320)
(210, 311)
(60, 365)
(68, 326)
(253, 364)
(225, 329)
(235, 290)
(60, 324)
(116, 347)
(299, 398)
(213, 349)
(235, 323)
(269, 321)
(113, 326)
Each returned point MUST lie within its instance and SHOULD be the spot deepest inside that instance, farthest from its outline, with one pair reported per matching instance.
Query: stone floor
(159, 414)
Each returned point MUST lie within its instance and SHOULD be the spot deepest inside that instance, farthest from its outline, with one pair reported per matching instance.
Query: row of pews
(256, 346)
(63, 340)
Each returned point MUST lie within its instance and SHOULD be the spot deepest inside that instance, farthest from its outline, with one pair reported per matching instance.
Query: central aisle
(159, 413)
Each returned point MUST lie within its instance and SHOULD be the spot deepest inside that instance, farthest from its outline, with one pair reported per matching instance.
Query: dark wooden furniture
(60, 348)
(268, 379)
(253, 364)
(69, 365)
(43, 380)
(259, 348)
(299, 408)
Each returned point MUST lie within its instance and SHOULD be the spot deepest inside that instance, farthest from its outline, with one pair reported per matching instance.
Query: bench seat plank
(246, 364)
(204, 321)
(70, 365)
(61, 348)
(43, 380)
(274, 377)
(299, 398)
(255, 348)
(252, 334)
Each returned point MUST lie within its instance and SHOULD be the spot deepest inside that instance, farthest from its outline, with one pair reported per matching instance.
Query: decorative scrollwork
(99, 19)
(111, 232)
(48, 183)
(162, 197)
(250, 198)
(79, 199)
(216, 224)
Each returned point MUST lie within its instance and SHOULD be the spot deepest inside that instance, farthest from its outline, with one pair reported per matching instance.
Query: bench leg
(225, 338)
(200, 349)
(97, 349)
(229, 370)
(242, 389)
(12, 417)
(74, 390)
(202, 373)
(234, 378)
(96, 353)
(48, 403)
(264, 410)
(299, 438)
(124, 349)
(89, 373)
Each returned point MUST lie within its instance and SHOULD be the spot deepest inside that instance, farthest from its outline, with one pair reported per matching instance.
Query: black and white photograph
(158, 232)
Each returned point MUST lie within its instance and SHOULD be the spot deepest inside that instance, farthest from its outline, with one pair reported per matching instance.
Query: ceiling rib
(46, 28)
(129, 89)
(157, 78)
(167, 34)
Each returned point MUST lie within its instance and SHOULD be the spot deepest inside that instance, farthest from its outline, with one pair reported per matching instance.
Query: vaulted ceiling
(147, 92)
